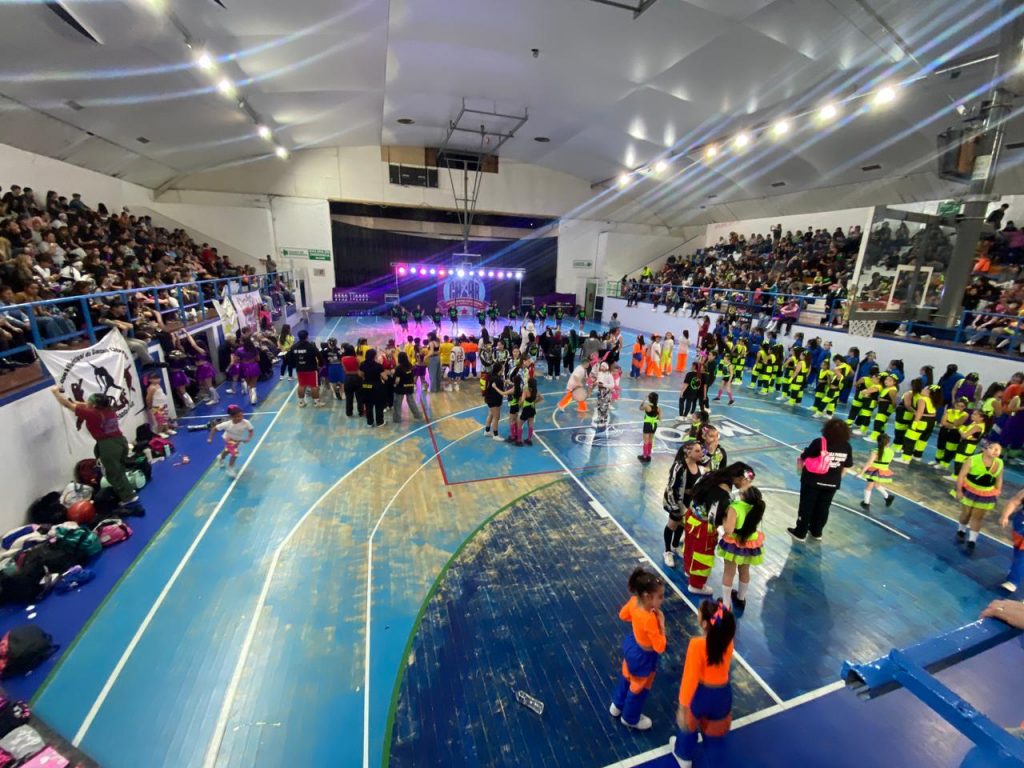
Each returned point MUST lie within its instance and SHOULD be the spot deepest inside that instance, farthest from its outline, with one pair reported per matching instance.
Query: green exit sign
(949, 208)
(319, 255)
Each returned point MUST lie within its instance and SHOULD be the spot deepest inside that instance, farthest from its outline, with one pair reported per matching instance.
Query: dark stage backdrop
(363, 256)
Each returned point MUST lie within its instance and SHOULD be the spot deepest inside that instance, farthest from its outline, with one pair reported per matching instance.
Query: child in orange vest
(641, 647)
(705, 694)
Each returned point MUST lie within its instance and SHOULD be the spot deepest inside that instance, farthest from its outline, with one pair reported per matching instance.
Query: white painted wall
(302, 223)
(614, 249)
(914, 356)
(358, 174)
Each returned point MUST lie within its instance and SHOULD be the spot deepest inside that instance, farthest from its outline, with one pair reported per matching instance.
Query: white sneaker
(253, 397)
(614, 711)
(1009, 586)
(302, 403)
(498, 437)
(230, 390)
(705, 590)
(672, 750)
(319, 403)
(643, 724)
(668, 559)
(245, 387)
(232, 472)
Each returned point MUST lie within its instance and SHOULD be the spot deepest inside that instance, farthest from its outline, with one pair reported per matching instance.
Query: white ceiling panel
(610, 91)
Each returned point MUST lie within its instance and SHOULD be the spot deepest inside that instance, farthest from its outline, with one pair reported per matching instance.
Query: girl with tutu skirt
(878, 472)
(741, 545)
(177, 364)
(205, 373)
(248, 355)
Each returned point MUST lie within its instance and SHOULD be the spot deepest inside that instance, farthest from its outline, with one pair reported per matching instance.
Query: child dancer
(683, 477)
(726, 370)
(887, 397)
(616, 386)
(684, 352)
(741, 545)
(1013, 518)
(249, 366)
(878, 472)
(637, 361)
(205, 374)
(711, 499)
(515, 399)
(705, 694)
(641, 647)
(530, 399)
(970, 437)
(953, 418)
(651, 413)
(667, 344)
(157, 403)
(821, 390)
(691, 392)
(978, 488)
(605, 384)
(237, 430)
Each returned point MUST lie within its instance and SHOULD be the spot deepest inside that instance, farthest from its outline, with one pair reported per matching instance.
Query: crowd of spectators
(755, 275)
(53, 247)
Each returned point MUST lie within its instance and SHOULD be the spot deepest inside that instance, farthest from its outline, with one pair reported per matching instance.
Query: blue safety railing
(194, 299)
(757, 307)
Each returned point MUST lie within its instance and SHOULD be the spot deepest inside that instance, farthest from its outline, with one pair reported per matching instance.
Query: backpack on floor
(48, 758)
(20, 584)
(81, 543)
(135, 477)
(112, 531)
(13, 714)
(49, 557)
(47, 510)
(75, 492)
(140, 463)
(25, 537)
(23, 649)
(88, 471)
(74, 577)
(105, 500)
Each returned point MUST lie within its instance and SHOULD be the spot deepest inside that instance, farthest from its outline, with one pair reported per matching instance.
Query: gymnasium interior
(351, 353)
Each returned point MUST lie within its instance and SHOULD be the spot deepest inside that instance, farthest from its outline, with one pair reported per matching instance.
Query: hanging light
(828, 112)
(281, 152)
(884, 95)
(661, 166)
(780, 128)
(710, 152)
(226, 88)
(205, 61)
(461, 273)
(742, 140)
(264, 132)
(623, 179)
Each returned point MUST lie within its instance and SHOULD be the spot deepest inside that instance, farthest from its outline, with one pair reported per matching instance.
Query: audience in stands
(52, 247)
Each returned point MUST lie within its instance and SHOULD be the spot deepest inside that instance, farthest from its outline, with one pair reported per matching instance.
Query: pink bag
(819, 465)
(48, 758)
(112, 531)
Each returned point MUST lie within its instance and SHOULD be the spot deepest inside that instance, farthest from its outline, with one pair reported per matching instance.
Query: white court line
(147, 620)
(657, 568)
(119, 667)
(653, 754)
(857, 512)
(369, 593)
(218, 415)
(218, 734)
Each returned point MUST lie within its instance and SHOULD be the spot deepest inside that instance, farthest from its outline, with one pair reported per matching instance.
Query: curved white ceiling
(611, 92)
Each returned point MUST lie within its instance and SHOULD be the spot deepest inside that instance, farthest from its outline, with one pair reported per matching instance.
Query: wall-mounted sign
(319, 255)
(949, 208)
(314, 254)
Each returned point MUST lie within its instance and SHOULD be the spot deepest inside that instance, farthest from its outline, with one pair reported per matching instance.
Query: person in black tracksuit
(374, 394)
(817, 490)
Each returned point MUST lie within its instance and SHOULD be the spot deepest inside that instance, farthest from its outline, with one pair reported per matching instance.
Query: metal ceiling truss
(490, 142)
(637, 7)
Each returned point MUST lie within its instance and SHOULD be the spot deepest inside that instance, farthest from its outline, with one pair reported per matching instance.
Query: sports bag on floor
(88, 471)
(23, 649)
(48, 758)
(112, 531)
(81, 543)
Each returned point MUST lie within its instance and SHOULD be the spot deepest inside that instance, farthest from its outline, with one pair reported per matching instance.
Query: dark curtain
(363, 255)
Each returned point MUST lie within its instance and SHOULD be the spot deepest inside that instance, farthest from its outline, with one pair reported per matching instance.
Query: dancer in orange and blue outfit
(705, 694)
(1013, 518)
(641, 647)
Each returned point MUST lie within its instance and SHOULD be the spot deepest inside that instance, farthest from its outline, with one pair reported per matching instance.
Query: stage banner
(107, 368)
(468, 294)
(247, 305)
(228, 317)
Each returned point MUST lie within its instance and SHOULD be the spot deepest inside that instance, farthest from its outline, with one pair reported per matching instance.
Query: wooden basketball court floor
(365, 597)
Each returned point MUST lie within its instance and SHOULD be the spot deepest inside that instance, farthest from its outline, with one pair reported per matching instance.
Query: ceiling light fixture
(623, 179)
(884, 95)
(781, 128)
(742, 140)
(264, 132)
(205, 61)
(710, 152)
(226, 88)
(828, 112)
(281, 152)
(661, 166)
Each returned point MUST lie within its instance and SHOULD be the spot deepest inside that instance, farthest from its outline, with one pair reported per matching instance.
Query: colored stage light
(441, 273)
(490, 274)
(501, 275)
(461, 273)
(433, 271)
(519, 275)
(423, 270)
(401, 270)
